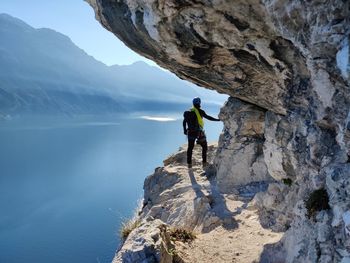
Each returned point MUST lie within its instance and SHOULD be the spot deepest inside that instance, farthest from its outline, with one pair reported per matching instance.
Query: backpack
(191, 120)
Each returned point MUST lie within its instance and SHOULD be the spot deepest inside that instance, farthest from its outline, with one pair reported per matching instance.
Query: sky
(76, 19)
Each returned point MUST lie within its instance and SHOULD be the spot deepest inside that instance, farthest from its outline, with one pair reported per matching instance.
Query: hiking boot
(189, 165)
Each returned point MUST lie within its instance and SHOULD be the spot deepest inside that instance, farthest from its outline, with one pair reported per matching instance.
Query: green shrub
(318, 200)
(287, 181)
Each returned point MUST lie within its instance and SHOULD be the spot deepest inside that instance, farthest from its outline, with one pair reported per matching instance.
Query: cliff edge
(226, 226)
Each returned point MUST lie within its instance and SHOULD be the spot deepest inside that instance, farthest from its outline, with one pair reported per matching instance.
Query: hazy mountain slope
(43, 71)
(143, 81)
(158, 84)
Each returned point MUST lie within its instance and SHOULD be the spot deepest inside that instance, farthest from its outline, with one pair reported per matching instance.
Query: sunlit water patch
(157, 118)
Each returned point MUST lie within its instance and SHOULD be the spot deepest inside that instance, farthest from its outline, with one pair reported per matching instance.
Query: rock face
(288, 63)
(240, 157)
(148, 243)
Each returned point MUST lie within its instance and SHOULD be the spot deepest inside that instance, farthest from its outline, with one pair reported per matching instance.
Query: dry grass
(129, 224)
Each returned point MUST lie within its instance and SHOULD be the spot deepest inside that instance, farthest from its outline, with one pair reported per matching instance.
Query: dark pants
(202, 141)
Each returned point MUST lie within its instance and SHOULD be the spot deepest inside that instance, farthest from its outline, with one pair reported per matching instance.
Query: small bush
(287, 181)
(318, 200)
(183, 235)
(172, 251)
(128, 226)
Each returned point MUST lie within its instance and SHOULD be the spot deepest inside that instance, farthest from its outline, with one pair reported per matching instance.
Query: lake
(66, 184)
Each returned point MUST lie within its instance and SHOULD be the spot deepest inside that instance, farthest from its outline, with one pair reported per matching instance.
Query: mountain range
(44, 72)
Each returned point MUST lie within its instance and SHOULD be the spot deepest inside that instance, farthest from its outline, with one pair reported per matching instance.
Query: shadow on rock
(220, 208)
(195, 186)
(217, 204)
(273, 253)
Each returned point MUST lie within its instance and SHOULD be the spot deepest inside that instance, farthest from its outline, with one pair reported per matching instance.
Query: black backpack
(191, 120)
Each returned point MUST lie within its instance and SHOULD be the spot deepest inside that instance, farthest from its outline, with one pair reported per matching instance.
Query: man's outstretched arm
(209, 117)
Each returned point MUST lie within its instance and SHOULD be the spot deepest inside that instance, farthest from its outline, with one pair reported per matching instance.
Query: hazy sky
(76, 19)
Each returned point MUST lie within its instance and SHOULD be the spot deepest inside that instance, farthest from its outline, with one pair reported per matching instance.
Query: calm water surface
(65, 185)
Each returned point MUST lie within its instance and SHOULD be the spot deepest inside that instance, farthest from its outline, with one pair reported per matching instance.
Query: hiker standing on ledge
(194, 131)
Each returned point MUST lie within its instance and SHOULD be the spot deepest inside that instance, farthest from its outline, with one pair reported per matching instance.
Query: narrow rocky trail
(239, 239)
(226, 225)
(242, 244)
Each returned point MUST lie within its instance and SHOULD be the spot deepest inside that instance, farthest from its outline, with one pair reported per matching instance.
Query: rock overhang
(234, 47)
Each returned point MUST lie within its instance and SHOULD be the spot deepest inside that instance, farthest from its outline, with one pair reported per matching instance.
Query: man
(194, 130)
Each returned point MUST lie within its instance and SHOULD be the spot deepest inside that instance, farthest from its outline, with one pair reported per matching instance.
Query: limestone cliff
(287, 62)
